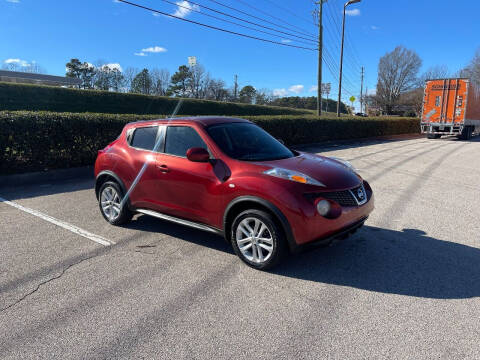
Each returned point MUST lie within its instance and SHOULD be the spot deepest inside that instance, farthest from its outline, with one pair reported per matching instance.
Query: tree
(160, 81)
(216, 90)
(263, 97)
(472, 71)
(83, 71)
(197, 81)
(397, 73)
(74, 68)
(129, 74)
(23, 66)
(247, 94)
(142, 83)
(179, 83)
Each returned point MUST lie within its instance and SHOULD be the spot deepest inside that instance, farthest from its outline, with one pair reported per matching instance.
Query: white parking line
(74, 229)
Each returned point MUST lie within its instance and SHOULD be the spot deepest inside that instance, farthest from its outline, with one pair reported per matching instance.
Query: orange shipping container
(451, 107)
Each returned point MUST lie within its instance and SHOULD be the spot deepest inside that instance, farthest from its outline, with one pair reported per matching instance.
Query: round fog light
(323, 207)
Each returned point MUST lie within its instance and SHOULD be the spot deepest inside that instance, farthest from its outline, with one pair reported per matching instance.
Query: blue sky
(50, 32)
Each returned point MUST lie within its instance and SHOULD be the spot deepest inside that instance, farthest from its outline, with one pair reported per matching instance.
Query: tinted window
(180, 139)
(245, 141)
(144, 137)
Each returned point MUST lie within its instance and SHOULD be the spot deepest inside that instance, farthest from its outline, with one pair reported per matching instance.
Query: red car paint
(201, 192)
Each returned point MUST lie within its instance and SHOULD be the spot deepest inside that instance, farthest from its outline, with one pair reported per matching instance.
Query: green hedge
(35, 141)
(48, 98)
(295, 130)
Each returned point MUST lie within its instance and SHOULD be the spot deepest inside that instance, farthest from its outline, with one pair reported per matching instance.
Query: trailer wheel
(466, 133)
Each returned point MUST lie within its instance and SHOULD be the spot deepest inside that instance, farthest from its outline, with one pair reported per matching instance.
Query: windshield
(248, 142)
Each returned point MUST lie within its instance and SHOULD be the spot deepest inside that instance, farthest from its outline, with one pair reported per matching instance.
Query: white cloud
(140, 54)
(185, 8)
(286, 41)
(14, 1)
(115, 66)
(313, 88)
(156, 14)
(280, 92)
(373, 27)
(154, 49)
(19, 62)
(297, 89)
(353, 12)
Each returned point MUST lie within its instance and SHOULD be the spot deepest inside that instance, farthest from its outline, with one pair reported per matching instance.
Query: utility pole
(361, 90)
(341, 54)
(366, 102)
(235, 91)
(319, 12)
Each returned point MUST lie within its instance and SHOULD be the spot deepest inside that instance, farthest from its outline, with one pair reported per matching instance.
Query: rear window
(144, 137)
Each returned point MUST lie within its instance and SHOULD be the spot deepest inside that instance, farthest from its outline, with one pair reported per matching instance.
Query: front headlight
(293, 176)
(346, 163)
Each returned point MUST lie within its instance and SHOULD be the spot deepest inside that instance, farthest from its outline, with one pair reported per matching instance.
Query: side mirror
(198, 155)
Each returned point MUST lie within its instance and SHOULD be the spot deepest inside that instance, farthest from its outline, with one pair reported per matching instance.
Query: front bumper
(347, 231)
(312, 228)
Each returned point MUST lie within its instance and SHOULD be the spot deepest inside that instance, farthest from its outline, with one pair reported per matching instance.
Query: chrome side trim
(179, 221)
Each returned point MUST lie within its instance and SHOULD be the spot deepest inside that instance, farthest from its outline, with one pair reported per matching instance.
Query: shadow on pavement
(404, 262)
(64, 186)
(163, 227)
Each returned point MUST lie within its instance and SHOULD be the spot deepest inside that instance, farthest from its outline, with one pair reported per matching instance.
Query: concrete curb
(40, 177)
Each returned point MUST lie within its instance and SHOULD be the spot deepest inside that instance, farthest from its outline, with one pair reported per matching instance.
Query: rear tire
(109, 200)
(467, 133)
(258, 240)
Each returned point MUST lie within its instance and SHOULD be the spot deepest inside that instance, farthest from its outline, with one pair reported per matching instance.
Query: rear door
(189, 189)
(143, 174)
(444, 101)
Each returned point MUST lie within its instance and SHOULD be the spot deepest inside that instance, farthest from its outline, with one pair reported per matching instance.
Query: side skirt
(180, 221)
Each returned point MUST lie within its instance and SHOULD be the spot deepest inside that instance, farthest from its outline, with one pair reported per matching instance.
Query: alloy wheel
(254, 240)
(110, 202)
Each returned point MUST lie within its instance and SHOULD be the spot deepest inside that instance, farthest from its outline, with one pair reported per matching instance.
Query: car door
(143, 173)
(188, 189)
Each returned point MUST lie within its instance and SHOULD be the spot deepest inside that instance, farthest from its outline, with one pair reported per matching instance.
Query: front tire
(109, 200)
(258, 240)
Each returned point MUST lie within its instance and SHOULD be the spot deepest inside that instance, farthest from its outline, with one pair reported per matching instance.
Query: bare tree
(472, 71)
(160, 81)
(397, 73)
(23, 66)
(129, 74)
(196, 80)
(432, 73)
(216, 90)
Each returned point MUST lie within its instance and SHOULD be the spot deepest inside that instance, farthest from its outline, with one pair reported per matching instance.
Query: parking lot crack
(64, 270)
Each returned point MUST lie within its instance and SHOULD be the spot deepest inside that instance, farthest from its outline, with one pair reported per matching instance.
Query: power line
(214, 27)
(237, 18)
(259, 18)
(269, 15)
(232, 22)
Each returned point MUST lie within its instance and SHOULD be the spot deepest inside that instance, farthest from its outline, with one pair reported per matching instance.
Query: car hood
(332, 173)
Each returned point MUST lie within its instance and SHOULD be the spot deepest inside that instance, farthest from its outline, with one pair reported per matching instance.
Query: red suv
(228, 176)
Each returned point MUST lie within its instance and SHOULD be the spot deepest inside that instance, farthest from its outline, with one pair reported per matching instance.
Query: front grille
(350, 197)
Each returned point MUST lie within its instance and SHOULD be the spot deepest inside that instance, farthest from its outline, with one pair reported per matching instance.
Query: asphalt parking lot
(406, 286)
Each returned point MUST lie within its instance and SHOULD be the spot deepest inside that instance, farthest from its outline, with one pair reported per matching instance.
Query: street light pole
(341, 54)
(320, 55)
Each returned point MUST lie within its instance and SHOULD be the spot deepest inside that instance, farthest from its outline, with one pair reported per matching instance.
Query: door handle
(163, 168)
